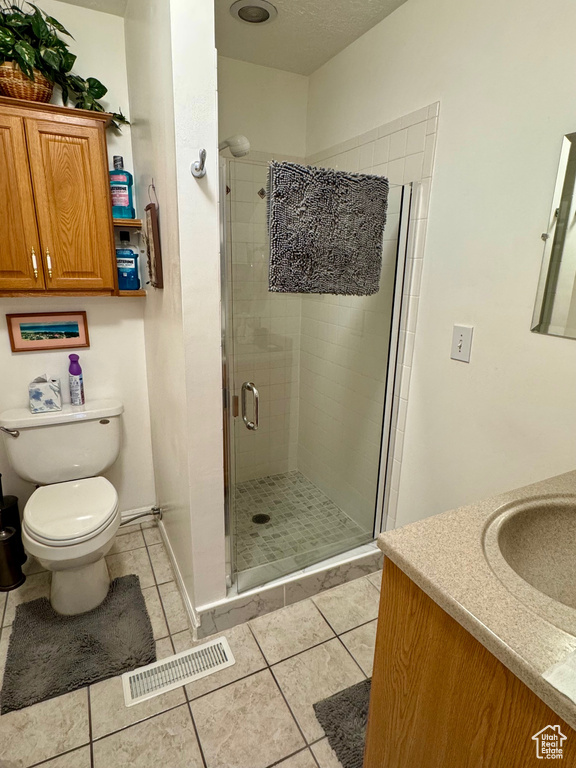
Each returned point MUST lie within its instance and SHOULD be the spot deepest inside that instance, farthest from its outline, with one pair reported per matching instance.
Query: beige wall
(266, 105)
(173, 95)
(92, 32)
(508, 417)
(196, 127)
(114, 365)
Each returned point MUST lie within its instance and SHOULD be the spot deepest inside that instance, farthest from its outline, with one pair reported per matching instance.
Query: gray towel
(325, 230)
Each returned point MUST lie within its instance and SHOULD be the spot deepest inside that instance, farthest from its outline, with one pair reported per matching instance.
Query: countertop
(444, 556)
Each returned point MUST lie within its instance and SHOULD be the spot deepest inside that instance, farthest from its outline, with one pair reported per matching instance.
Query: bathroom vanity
(463, 638)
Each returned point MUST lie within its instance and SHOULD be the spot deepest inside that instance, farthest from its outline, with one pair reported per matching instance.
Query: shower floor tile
(302, 518)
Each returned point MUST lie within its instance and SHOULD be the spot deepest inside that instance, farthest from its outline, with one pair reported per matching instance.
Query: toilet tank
(76, 442)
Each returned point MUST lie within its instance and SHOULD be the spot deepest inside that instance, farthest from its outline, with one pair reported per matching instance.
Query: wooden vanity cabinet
(56, 232)
(440, 699)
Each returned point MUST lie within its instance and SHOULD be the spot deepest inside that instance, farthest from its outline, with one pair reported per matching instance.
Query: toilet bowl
(70, 521)
(69, 528)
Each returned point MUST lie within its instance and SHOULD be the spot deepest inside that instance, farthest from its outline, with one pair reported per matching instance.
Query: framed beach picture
(47, 330)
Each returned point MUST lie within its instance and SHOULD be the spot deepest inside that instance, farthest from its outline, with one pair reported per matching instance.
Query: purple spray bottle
(76, 381)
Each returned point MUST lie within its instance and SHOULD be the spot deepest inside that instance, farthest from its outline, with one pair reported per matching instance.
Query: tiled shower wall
(320, 361)
(266, 343)
(344, 339)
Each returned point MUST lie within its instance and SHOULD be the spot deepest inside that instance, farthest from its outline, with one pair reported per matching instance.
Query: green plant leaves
(96, 89)
(25, 57)
(56, 24)
(68, 60)
(16, 19)
(39, 25)
(51, 56)
(7, 40)
(31, 40)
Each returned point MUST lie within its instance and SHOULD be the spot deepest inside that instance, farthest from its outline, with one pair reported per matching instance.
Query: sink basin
(531, 547)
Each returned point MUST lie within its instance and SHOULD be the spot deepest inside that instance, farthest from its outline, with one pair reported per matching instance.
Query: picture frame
(44, 331)
(153, 249)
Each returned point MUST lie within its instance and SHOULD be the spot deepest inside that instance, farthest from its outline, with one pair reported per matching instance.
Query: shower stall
(309, 383)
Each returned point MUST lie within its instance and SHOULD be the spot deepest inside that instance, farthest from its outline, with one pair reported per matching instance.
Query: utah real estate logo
(549, 743)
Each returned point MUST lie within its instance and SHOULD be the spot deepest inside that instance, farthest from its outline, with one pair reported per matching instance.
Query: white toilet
(70, 521)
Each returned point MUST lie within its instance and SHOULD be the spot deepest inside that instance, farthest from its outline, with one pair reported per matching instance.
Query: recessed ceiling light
(253, 11)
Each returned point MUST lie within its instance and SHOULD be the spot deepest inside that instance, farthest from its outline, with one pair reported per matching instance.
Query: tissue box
(45, 395)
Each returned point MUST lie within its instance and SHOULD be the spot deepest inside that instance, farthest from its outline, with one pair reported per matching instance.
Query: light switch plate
(461, 343)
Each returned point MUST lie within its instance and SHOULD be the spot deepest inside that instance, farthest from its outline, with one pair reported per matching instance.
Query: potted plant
(34, 57)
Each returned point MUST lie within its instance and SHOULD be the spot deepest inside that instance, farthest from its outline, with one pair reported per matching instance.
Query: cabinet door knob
(34, 264)
(49, 263)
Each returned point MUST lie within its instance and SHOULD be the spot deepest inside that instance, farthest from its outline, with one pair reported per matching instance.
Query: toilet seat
(69, 513)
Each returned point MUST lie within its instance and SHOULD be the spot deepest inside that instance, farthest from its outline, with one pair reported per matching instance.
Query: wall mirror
(555, 307)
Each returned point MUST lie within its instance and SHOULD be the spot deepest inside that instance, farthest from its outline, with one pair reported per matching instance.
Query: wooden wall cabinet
(56, 232)
(440, 700)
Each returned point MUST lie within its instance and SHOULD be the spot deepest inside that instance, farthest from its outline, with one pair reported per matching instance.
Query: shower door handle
(249, 387)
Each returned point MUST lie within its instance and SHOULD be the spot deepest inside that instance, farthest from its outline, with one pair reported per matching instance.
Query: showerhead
(239, 145)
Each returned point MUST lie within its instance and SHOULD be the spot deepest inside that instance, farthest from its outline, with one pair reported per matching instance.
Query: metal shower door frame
(227, 373)
(390, 410)
(394, 364)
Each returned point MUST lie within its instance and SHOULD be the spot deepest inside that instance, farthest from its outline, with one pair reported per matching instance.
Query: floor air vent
(202, 660)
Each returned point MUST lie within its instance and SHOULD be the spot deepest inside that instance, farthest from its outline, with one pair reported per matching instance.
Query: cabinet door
(20, 260)
(68, 163)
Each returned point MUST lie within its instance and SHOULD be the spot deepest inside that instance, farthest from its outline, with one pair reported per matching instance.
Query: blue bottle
(121, 182)
(127, 264)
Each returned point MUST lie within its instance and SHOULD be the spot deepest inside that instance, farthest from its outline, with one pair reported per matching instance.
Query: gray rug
(325, 230)
(50, 654)
(344, 718)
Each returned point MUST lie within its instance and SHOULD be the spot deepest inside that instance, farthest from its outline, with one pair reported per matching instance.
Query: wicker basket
(14, 83)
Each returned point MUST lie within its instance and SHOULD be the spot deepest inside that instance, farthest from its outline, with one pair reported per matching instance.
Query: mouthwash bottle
(121, 182)
(127, 264)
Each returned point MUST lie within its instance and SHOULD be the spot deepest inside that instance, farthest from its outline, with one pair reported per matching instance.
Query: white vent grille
(202, 660)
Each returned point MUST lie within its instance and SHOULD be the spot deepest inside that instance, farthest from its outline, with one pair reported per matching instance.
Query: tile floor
(255, 714)
(302, 518)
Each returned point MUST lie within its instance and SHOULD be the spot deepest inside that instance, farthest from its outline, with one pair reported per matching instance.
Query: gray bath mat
(325, 230)
(344, 718)
(50, 654)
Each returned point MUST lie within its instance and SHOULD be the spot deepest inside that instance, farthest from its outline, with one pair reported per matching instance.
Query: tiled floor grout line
(189, 705)
(314, 756)
(288, 705)
(279, 688)
(287, 757)
(340, 639)
(188, 700)
(131, 725)
(165, 616)
(280, 661)
(90, 726)
(3, 612)
(60, 754)
(349, 652)
(286, 701)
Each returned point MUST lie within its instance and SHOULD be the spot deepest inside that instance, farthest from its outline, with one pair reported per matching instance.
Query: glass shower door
(307, 378)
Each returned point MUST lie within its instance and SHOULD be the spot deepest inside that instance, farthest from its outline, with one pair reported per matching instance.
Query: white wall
(99, 44)
(508, 417)
(149, 59)
(266, 105)
(114, 365)
(196, 126)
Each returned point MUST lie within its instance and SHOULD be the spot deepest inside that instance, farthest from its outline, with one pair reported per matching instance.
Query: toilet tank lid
(21, 418)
